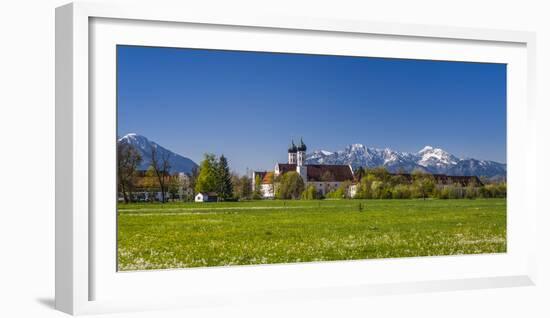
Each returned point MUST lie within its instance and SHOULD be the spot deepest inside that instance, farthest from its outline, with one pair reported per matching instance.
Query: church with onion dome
(324, 178)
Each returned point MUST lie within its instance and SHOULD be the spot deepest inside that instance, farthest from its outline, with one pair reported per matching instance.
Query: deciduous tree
(161, 166)
(290, 186)
(128, 160)
(206, 179)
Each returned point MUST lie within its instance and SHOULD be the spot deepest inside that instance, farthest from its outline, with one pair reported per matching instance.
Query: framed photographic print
(219, 159)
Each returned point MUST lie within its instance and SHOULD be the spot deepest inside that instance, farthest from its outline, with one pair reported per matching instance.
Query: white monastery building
(325, 178)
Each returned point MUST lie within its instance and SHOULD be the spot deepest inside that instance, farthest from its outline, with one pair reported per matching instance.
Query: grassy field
(178, 235)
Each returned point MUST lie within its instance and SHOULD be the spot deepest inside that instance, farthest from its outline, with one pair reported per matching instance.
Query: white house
(206, 197)
(324, 178)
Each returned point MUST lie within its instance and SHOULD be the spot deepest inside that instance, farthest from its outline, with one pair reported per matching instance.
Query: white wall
(267, 191)
(27, 130)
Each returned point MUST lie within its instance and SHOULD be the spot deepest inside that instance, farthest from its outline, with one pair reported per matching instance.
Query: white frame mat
(86, 278)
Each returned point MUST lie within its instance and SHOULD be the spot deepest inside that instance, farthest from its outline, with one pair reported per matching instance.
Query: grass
(179, 235)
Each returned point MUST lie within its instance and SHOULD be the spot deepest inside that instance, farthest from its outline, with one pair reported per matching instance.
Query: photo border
(74, 139)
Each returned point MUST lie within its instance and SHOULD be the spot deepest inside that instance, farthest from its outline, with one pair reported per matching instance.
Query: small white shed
(206, 197)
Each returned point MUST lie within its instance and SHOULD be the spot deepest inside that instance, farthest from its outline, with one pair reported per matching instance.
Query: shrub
(445, 193)
(401, 191)
(336, 194)
(310, 193)
(471, 192)
(291, 186)
(339, 193)
(456, 192)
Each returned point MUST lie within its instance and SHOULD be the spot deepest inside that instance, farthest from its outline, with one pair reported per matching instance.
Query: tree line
(214, 175)
(378, 183)
(158, 184)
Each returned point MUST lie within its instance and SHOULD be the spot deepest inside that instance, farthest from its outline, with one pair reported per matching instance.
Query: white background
(27, 158)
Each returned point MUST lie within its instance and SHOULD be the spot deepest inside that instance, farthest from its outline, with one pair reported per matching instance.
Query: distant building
(147, 189)
(206, 197)
(324, 178)
(266, 183)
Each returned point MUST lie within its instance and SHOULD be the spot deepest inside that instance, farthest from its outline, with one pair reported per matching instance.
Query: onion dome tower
(292, 150)
(301, 153)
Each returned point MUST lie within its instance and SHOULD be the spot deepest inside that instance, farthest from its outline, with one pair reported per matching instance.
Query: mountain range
(143, 145)
(428, 159)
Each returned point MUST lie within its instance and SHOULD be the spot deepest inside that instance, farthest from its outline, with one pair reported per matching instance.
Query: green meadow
(181, 235)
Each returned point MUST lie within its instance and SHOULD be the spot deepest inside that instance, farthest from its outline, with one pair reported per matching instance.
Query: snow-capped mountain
(178, 163)
(428, 159)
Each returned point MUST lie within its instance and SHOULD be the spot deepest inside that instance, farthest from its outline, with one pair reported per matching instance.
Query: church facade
(324, 178)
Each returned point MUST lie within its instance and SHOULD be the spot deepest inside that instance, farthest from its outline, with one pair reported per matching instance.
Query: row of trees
(214, 175)
(378, 183)
(158, 184)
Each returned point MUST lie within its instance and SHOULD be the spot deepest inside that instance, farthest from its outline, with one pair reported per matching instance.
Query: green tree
(379, 173)
(423, 183)
(445, 192)
(246, 187)
(359, 173)
(456, 191)
(472, 190)
(380, 190)
(401, 191)
(364, 189)
(336, 194)
(310, 193)
(341, 192)
(501, 190)
(257, 193)
(207, 178)
(223, 176)
(397, 180)
(290, 186)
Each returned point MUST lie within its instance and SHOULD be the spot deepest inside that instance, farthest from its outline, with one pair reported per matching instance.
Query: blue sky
(248, 105)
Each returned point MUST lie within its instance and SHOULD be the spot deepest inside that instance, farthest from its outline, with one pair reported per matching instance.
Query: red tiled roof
(329, 173)
(268, 177)
(286, 167)
(260, 174)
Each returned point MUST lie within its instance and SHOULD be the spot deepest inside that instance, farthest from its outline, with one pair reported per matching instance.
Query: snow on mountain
(178, 163)
(436, 159)
(428, 159)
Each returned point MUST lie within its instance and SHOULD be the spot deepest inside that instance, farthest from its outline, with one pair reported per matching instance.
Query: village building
(146, 187)
(324, 178)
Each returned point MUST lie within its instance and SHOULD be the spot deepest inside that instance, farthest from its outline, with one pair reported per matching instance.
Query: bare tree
(176, 184)
(161, 167)
(128, 160)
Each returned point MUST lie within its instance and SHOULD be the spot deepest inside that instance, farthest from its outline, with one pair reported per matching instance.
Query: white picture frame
(86, 281)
